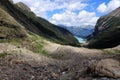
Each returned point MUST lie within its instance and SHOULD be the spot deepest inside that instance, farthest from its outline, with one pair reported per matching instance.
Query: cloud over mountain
(71, 12)
(67, 18)
(108, 7)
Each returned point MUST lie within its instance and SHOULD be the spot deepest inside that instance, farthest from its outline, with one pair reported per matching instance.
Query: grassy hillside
(38, 25)
(9, 28)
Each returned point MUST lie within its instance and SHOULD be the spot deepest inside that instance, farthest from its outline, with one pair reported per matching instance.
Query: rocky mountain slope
(107, 31)
(22, 14)
(82, 31)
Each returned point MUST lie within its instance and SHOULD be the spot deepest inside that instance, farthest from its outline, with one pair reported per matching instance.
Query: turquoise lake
(81, 40)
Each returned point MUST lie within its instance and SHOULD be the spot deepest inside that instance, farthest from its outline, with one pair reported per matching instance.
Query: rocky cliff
(107, 31)
(107, 21)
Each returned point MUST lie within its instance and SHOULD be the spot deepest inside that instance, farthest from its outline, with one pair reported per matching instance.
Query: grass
(32, 42)
(57, 56)
(114, 51)
(9, 27)
(117, 51)
(37, 44)
(107, 52)
(4, 54)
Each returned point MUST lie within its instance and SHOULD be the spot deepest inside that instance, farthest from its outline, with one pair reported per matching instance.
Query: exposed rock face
(106, 68)
(107, 27)
(23, 6)
(108, 20)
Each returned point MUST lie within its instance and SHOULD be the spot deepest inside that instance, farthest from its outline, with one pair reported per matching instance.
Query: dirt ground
(68, 63)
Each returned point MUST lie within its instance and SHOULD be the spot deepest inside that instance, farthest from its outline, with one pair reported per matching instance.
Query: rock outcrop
(106, 68)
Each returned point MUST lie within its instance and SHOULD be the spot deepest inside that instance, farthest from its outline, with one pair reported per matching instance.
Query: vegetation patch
(117, 51)
(35, 43)
(57, 56)
(114, 51)
(107, 52)
(4, 54)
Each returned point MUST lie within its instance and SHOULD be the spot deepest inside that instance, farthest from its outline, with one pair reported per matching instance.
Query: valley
(31, 48)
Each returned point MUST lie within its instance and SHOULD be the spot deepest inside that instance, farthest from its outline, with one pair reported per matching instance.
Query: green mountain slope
(38, 25)
(107, 31)
(9, 28)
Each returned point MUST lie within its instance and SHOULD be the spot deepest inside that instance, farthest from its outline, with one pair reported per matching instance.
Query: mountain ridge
(38, 25)
(82, 32)
(23, 6)
(107, 31)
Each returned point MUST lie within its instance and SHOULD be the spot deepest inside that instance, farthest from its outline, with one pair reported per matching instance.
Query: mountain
(23, 16)
(23, 6)
(82, 31)
(107, 31)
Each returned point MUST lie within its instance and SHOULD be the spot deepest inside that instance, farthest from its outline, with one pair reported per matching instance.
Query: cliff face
(109, 20)
(23, 15)
(107, 31)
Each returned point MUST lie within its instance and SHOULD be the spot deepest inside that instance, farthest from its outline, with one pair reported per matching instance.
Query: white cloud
(42, 6)
(106, 8)
(102, 8)
(70, 18)
(76, 6)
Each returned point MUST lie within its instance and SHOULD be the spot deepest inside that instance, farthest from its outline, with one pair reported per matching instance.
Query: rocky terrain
(63, 63)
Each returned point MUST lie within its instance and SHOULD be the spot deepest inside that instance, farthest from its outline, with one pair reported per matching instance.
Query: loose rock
(106, 67)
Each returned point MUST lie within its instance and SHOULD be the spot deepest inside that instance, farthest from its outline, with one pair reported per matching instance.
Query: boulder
(106, 68)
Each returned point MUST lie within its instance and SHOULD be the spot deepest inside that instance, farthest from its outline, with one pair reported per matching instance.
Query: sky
(71, 12)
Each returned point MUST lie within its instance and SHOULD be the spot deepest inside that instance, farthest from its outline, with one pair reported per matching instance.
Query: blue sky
(71, 12)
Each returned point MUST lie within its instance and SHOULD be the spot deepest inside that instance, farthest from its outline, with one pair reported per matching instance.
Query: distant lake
(81, 40)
